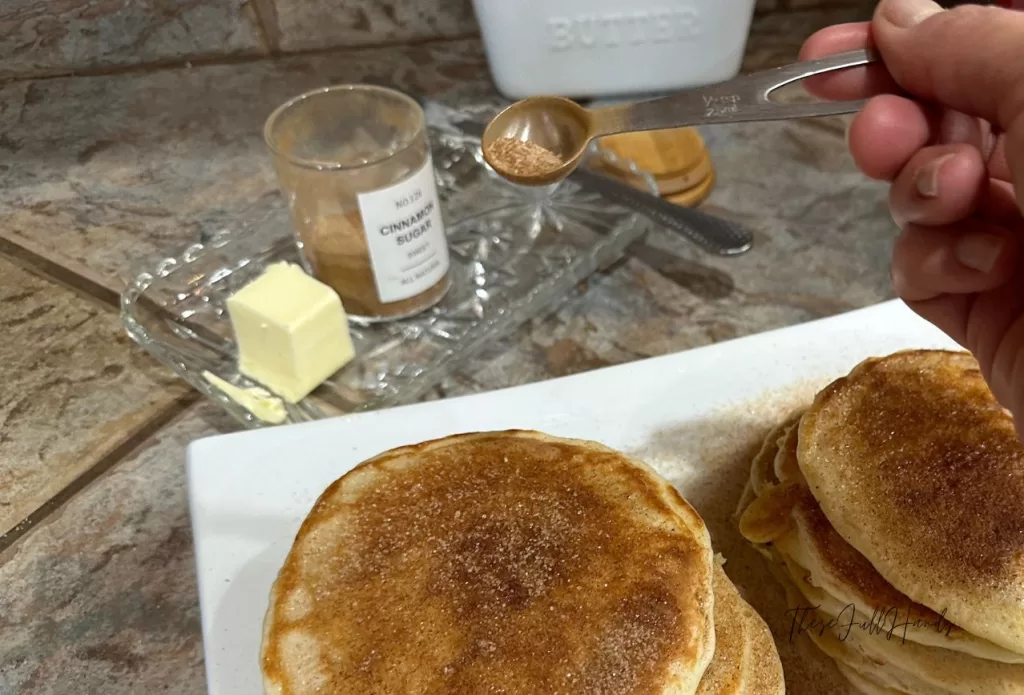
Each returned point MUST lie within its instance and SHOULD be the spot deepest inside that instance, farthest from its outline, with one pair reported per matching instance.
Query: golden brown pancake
(787, 470)
(870, 675)
(777, 486)
(840, 570)
(763, 671)
(919, 468)
(884, 654)
(788, 517)
(864, 683)
(934, 669)
(746, 498)
(820, 568)
(506, 562)
(725, 674)
(762, 471)
(746, 660)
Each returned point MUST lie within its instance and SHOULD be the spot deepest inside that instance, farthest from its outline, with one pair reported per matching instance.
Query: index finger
(854, 83)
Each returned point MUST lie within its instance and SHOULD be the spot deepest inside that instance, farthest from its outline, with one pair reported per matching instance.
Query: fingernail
(907, 13)
(926, 179)
(979, 251)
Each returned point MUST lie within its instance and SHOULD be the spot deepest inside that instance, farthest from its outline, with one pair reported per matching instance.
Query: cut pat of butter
(291, 330)
(257, 401)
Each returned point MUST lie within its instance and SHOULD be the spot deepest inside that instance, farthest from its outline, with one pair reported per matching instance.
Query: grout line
(120, 452)
(265, 15)
(74, 276)
(91, 286)
(78, 279)
(236, 59)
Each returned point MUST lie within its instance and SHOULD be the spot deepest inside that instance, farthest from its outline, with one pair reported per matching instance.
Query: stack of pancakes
(892, 510)
(509, 562)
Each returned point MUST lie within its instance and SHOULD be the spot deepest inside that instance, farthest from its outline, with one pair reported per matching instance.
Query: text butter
(291, 331)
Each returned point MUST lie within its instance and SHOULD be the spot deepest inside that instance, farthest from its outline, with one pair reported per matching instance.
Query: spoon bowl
(559, 125)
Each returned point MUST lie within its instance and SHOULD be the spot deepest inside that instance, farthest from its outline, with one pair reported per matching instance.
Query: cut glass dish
(516, 252)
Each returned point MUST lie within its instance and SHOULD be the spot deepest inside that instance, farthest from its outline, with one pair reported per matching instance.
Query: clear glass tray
(515, 253)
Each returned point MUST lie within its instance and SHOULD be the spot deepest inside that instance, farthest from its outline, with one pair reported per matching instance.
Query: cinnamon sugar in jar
(355, 165)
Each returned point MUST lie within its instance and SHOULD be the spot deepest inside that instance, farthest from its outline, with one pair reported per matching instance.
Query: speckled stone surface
(45, 37)
(102, 597)
(305, 24)
(103, 171)
(72, 388)
(56, 37)
(776, 38)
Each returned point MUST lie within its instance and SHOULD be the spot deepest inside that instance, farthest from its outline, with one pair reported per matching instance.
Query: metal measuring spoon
(712, 234)
(565, 128)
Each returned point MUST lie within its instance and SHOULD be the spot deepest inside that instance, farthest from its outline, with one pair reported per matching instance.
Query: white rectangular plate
(249, 491)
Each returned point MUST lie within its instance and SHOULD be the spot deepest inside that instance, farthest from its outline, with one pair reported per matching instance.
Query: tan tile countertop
(98, 172)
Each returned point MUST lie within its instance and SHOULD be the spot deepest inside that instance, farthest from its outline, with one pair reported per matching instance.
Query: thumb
(969, 59)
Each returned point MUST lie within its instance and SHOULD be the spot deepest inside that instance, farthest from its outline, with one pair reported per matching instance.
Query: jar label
(405, 235)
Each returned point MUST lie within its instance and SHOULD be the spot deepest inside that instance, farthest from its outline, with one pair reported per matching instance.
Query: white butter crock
(594, 48)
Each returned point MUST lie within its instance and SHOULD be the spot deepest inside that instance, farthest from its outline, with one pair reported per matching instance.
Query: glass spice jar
(354, 164)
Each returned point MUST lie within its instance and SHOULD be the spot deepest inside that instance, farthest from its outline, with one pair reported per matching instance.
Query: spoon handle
(740, 100)
(710, 233)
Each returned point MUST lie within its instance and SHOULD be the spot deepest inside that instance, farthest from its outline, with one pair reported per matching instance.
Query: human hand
(945, 125)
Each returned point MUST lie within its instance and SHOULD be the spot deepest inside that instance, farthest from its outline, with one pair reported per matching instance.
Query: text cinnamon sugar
(337, 249)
